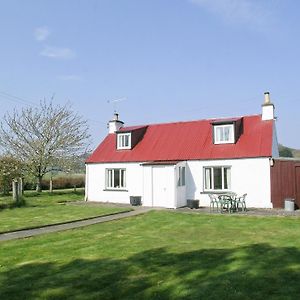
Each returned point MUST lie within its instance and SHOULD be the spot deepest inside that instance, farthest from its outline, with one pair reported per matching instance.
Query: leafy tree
(10, 168)
(44, 136)
(285, 151)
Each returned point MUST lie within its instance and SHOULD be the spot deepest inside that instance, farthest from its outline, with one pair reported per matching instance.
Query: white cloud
(41, 33)
(69, 77)
(250, 12)
(58, 52)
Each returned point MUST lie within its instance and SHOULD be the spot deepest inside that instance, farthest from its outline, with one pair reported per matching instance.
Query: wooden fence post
(15, 190)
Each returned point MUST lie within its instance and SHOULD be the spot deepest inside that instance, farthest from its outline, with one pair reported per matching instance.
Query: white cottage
(166, 164)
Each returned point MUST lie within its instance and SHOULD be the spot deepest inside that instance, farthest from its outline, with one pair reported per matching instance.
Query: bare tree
(44, 136)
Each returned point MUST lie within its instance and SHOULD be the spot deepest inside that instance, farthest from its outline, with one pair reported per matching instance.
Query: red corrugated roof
(189, 141)
(161, 163)
(131, 128)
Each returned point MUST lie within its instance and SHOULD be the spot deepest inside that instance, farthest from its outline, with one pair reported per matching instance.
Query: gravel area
(250, 211)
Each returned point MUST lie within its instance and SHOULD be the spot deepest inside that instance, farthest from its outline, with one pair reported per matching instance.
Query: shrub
(65, 182)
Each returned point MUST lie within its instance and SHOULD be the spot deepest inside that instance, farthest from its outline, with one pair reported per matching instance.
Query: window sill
(222, 143)
(217, 192)
(127, 148)
(115, 190)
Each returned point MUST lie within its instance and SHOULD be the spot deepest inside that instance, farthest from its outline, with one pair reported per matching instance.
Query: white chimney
(267, 108)
(115, 124)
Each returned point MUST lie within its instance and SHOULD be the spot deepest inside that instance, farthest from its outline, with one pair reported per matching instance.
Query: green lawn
(45, 208)
(159, 255)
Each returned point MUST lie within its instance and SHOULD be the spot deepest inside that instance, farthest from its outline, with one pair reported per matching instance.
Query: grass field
(159, 255)
(46, 208)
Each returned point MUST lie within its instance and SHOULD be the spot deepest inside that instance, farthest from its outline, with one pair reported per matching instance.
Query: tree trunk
(39, 184)
(21, 186)
(51, 185)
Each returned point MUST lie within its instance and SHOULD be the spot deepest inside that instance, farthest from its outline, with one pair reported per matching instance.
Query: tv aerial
(115, 102)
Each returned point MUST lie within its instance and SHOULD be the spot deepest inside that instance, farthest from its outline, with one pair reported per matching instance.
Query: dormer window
(124, 140)
(128, 137)
(224, 134)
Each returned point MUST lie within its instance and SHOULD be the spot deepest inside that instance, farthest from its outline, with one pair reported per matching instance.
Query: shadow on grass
(35, 199)
(253, 272)
(12, 204)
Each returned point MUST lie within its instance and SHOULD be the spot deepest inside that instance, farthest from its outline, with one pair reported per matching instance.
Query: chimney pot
(267, 98)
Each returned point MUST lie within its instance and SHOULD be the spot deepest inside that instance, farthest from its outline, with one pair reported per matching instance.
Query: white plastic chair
(241, 201)
(214, 202)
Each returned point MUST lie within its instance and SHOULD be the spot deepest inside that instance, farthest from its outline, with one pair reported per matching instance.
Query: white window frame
(110, 179)
(181, 176)
(230, 139)
(121, 140)
(211, 182)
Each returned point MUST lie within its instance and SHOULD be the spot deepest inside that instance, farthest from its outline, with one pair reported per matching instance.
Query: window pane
(116, 178)
(227, 178)
(218, 134)
(109, 178)
(181, 176)
(122, 179)
(217, 178)
(126, 140)
(231, 138)
(222, 137)
(208, 184)
(226, 133)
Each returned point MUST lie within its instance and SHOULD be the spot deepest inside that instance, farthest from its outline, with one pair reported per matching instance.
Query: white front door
(159, 186)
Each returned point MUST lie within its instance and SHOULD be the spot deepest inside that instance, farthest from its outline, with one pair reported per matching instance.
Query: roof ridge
(192, 121)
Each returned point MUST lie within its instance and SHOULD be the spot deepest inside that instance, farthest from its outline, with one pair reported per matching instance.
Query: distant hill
(285, 151)
(296, 153)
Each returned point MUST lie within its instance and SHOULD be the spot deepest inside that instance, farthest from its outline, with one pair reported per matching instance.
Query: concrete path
(55, 228)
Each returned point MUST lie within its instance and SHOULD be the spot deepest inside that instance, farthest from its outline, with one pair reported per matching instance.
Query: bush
(64, 182)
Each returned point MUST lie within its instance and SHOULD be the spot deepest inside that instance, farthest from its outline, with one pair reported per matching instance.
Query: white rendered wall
(95, 184)
(139, 181)
(251, 176)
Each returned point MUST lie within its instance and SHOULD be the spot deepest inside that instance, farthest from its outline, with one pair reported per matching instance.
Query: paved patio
(249, 212)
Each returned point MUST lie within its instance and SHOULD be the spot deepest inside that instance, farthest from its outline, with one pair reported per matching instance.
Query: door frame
(297, 192)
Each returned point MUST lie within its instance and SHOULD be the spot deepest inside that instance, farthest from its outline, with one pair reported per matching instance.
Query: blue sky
(169, 60)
